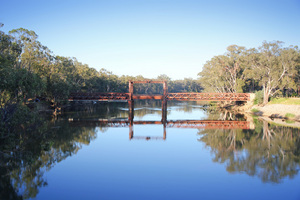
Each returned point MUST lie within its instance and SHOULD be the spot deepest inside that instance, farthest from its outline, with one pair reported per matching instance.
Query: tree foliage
(224, 73)
(270, 67)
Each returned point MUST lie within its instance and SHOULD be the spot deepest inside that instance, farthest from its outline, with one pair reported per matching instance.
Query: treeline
(31, 69)
(270, 68)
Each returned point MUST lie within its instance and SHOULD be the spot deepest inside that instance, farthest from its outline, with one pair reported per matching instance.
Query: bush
(259, 97)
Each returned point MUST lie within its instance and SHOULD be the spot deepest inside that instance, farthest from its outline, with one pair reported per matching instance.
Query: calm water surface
(87, 159)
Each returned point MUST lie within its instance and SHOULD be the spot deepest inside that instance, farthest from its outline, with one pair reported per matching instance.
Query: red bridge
(113, 96)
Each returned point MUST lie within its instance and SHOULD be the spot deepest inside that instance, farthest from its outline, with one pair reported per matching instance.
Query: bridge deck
(209, 96)
(143, 96)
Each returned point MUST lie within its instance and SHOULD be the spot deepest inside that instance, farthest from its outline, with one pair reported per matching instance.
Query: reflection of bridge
(166, 96)
(195, 124)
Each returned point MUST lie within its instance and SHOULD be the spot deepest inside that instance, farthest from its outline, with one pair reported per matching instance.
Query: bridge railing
(168, 96)
(208, 96)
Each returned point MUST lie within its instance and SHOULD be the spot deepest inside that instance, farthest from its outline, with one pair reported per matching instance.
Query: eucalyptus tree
(9, 51)
(224, 73)
(273, 67)
(35, 57)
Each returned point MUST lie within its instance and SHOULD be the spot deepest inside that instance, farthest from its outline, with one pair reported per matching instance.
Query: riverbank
(284, 108)
(278, 111)
(283, 111)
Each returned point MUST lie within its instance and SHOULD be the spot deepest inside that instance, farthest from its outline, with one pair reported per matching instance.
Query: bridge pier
(130, 110)
(130, 90)
(164, 106)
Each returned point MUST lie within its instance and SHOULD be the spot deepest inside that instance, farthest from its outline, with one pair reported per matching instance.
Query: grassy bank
(285, 101)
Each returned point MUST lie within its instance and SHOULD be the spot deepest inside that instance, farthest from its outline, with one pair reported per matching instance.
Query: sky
(152, 37)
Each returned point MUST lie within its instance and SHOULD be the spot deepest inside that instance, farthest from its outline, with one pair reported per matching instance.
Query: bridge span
(130, 96)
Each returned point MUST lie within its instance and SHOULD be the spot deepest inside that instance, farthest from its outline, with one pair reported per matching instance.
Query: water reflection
(24, 160)
(226, 120)
(269, 152)
(191, 124)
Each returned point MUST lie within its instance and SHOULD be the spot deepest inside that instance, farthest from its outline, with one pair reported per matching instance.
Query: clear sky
(152, 37)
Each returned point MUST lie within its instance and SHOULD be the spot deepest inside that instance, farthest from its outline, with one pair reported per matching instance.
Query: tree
(273, 67)
(9, 51)
(35, 57)
(223, 73)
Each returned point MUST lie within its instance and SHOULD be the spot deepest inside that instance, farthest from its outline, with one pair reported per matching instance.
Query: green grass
(285, 101)
(289, 115)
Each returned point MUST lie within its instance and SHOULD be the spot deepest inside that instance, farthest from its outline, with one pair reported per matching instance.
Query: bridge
(114, 96)
(130, 97)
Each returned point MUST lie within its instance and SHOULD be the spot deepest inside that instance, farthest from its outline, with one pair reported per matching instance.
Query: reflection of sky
(177, 112)
(180, 167)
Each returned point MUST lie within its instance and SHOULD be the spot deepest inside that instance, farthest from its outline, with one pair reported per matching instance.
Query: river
(94, 151)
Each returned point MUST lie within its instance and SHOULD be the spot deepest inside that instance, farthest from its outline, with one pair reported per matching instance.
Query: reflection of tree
(269, 152)
(23, 162)
(99, 110)
(223, 114)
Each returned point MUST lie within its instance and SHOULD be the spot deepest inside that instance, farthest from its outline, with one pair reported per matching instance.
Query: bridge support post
(130, 117)
(165, 87)
(164, 111)
(130, 131)
(164, 103)
(130, 89)
(165, 130)
(131, 111)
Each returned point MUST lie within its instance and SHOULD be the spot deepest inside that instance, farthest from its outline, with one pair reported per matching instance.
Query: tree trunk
(266, 95)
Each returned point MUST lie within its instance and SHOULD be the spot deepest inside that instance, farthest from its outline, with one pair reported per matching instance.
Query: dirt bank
(278, 110)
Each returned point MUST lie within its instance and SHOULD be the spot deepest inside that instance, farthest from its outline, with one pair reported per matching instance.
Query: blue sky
(152, 37)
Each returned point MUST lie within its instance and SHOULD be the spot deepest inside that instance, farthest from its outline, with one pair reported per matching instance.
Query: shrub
(259, 97)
